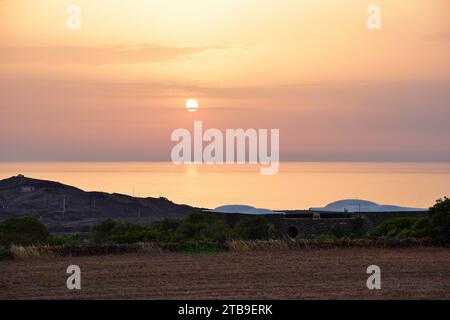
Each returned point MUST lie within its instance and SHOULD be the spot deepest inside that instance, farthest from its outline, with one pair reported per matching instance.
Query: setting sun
(192, 105)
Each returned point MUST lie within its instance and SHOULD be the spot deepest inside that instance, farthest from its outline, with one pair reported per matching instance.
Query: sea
(298, 185)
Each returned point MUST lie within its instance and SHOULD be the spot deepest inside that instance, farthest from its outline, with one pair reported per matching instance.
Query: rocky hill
(66, 209)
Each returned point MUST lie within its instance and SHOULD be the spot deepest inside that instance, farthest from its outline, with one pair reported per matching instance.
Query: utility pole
(64, 208)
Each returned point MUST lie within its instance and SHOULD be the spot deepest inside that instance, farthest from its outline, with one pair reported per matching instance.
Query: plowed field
(417, 273)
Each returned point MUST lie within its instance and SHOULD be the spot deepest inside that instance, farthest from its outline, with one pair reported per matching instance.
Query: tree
(101, 231)
(24, 230)
(440, 220)
(201, 226)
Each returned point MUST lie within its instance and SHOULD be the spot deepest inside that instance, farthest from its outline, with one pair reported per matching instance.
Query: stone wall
(310, 228)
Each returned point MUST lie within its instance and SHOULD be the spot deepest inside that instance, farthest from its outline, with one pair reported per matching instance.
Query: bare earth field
(419, 273)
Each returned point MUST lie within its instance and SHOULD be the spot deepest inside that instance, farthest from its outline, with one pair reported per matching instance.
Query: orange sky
(115, 89)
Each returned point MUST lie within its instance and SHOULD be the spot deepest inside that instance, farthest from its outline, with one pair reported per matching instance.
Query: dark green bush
(110, 231)
(436, 225)
(3, 253)
(325, 237)
(253, 228)
(166, 231)
(24, 230)
(395, 227)
(421, 228)
(339, 233)
(69, 240)
(102, 231)
(202, 246)
(440, 220)
(194, 227)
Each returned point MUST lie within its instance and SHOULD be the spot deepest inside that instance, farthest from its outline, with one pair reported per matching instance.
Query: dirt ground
(421, 273)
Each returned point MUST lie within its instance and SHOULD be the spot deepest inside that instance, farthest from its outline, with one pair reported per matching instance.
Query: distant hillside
(66, 208)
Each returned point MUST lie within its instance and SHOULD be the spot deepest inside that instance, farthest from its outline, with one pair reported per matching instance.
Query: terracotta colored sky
(115, 89)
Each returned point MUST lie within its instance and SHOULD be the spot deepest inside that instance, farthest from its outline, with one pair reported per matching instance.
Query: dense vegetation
(197, 227)
(436, 225)
(198, 232)
(402, 227)
(23, 231)
(439, 223)
(202, 232)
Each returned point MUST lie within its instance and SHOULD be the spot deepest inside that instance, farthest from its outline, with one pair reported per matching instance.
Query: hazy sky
(115, 89)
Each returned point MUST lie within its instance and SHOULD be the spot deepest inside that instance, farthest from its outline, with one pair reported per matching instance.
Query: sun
(192, 105)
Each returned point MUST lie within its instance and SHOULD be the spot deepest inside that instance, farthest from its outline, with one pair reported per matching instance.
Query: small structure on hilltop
(27, 189)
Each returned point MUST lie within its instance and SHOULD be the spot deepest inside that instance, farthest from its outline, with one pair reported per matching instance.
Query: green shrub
(70, 240)
(405, 233)
(3, 253)
(440, 220)
(395, 227)
(252, 228)
(23, 231)
(421, 228)
(165, 231)
(194, 227)
(101, 232)
(117, 232)
(167, 226)
(202, 226)
(300, 236)
(351, 235)
(339, 233)
(201, 246)
(325, 237)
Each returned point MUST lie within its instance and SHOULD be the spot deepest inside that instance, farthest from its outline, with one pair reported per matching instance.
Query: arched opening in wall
(292, 232)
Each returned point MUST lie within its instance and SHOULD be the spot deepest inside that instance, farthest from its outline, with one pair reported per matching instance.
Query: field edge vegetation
(201, 233)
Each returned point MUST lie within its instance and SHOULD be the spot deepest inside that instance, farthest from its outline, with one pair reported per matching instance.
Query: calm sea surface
(297, 185)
